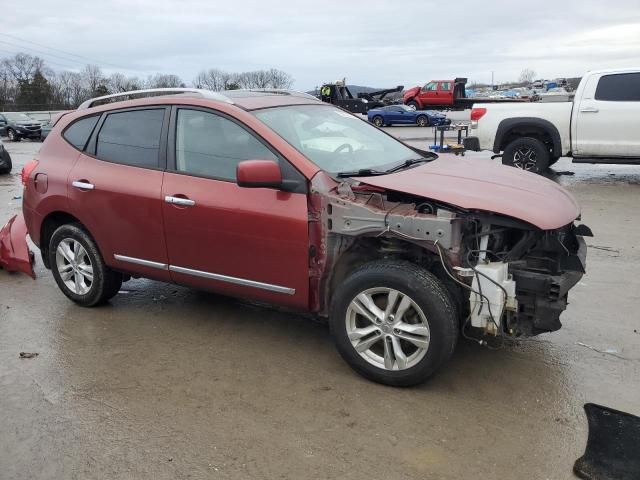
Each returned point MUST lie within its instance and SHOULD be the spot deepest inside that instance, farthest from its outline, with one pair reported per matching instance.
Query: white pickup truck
(601, 125)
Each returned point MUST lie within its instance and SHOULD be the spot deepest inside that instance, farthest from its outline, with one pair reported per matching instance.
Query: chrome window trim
(140, 261)
(234, 280)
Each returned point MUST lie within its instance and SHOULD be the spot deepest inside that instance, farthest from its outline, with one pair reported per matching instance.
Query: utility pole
(491, 79)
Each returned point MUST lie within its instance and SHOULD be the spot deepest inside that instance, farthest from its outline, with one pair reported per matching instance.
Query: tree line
(27, 83)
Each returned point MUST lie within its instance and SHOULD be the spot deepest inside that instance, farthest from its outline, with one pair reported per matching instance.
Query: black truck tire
(527, 153)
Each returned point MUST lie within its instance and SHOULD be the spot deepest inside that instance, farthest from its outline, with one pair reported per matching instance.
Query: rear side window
(622, 87)
(79, 132)
(131, 138)
(211, 145)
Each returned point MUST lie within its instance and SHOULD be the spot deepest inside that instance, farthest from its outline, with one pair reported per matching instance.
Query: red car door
(114, 189)
(445, 93)
(429, 94)
(247, 242)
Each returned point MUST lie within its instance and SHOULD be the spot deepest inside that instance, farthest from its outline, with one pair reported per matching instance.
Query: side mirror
(259, 173)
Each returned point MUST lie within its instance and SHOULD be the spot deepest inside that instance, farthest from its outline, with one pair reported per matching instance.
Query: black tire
(423, 121)
(105, 284)
(378, 121)
(527, 153)
(428, 293)
(414, 104)
(13, 136)
(5, 162)
(553, 160)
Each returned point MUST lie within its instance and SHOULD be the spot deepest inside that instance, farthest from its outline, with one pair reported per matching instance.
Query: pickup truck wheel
(422, 121)
(78, 267)
(378, 121)
(413, 104)
(394, 322)
(527, 153)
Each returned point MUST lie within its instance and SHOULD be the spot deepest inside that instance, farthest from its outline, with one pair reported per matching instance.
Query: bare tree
(164, 81)
(23, 67)
(119, 82)
(92, 78)
(215, 79)
(527, 76)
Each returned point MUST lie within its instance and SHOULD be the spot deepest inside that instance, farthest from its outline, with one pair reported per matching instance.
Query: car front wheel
(394, 323)
(422, 121)
(13, 136)
(78, 267)
(378, 121)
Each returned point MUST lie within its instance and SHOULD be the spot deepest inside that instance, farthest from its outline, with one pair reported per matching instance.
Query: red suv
(278, 197)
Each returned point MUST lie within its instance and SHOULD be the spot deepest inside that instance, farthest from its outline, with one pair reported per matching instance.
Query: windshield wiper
(363, 172)
(408, 163)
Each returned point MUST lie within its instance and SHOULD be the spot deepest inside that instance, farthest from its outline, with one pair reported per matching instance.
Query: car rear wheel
(422, 121)
(78, 267)
(528, 154)
(394, 323)
(5, 162)
(13, 136)
(378, 121)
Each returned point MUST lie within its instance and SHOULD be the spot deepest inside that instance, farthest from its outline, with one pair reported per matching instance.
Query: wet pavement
(166, 382)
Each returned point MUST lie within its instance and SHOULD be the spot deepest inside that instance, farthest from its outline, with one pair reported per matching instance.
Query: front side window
(211, 145)
(79, 132)
(131, 138)
(334, 140)
(621, 87)
(430, 87)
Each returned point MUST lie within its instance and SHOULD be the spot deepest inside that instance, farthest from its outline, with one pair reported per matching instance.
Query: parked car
(17, 126)
(281, 198)
(598, 126)
(5, 160)
(404, 115)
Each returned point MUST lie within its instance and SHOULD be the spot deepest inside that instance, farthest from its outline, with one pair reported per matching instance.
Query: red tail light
(477, 113)
(27, 169)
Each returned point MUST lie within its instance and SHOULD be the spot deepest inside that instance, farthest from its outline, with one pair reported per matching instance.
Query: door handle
(83, 185)
(183, 202)
(589, 110)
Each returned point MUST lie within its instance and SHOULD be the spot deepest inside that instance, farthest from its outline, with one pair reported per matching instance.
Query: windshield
(18, 117)
(334, 140)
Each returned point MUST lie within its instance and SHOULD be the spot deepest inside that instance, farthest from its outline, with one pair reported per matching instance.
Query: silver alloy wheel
(422, 121)
(387, 328)
(74, 266)
(12, 135)
(525, 158)
(378, 122)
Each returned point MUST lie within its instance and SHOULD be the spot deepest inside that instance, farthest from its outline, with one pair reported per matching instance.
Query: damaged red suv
(275, 196)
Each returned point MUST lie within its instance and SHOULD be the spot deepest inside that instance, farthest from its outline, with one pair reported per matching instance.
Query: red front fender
(15, 255)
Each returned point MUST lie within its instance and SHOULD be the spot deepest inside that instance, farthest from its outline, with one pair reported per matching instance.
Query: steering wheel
(344, 146)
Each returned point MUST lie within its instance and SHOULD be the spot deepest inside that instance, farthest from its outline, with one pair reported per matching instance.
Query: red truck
(445, 95)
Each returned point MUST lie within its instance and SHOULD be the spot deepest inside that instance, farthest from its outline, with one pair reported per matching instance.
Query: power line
(63, 51)
(15, 45)
(46, 59)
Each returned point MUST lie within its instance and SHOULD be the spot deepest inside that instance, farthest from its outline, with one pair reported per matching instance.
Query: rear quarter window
(131, 138)
(621, 87)
(78, 133)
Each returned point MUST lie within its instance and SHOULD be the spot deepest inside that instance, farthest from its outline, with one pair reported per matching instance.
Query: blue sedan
(402, 114)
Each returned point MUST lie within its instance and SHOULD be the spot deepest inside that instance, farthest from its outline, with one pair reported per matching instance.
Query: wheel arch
(50, 224)
(512, 128)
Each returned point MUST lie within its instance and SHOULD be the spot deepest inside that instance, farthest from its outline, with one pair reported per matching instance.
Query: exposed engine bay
(507, 277)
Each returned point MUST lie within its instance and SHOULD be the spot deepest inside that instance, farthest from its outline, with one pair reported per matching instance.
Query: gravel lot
(166, 382)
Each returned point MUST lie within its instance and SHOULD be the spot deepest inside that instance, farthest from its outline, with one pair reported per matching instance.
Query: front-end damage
(505, 276)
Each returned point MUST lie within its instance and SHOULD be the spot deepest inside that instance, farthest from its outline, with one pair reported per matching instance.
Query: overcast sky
(370, 42)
